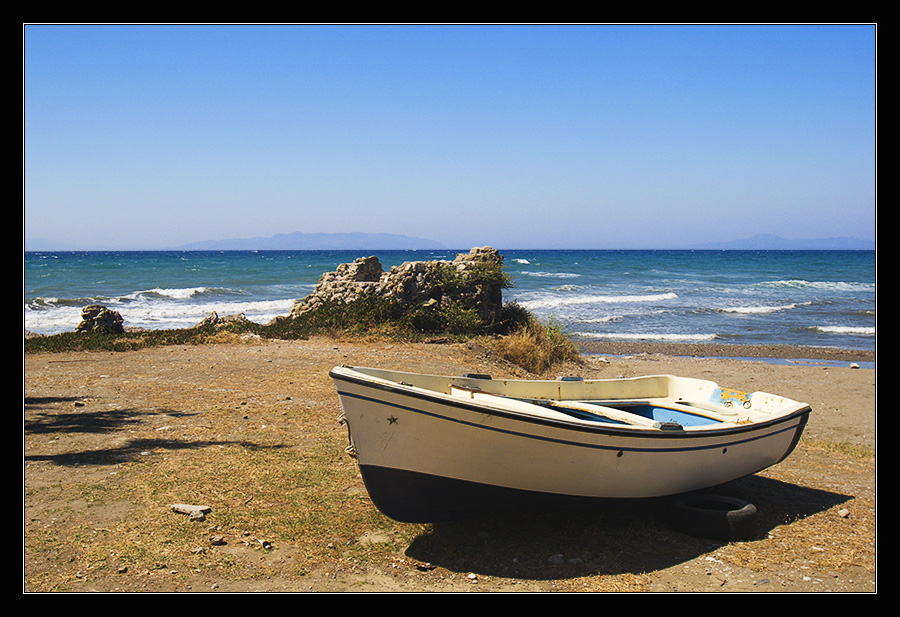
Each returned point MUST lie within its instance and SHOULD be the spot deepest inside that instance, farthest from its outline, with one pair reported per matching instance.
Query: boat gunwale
(591, 428)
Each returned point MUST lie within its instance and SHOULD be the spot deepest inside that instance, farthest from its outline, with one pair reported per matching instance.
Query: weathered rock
(217, 322)
(416, 283)
(194, 512)
(98, 318)
(364, 269)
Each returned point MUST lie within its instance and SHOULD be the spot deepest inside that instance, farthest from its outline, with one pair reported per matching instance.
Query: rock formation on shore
(98, 318)
(472, 279)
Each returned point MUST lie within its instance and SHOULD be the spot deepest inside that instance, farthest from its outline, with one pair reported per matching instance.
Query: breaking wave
(556, 302)
(761, 310)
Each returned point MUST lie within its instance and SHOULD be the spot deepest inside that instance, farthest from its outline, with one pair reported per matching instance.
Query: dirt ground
(97, 425)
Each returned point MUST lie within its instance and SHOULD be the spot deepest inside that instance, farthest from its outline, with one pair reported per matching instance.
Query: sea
(810, 298)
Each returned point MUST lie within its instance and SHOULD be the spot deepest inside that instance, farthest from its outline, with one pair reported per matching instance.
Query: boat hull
(425, 456)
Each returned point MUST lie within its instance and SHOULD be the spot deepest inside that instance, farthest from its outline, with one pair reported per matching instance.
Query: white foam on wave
(183, 293)
(54, 320)
(760, 310)
(556, 302)
(165, 315)
(860, 331)
(552, 275)
(38, 303)
(823, 285)
(607, 319)
(647, 336)
(157, 315)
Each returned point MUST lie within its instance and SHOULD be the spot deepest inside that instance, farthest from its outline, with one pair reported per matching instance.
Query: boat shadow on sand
(631, 539)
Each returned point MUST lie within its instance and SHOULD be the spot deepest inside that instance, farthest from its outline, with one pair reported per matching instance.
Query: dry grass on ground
(250, 429)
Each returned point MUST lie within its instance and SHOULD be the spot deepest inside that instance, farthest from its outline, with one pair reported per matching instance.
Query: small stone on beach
(195, 513)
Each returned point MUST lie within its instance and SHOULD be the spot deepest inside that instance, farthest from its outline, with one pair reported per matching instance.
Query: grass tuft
(537, 347)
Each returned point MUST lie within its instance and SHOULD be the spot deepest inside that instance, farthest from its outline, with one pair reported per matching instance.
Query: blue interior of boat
(665, 414)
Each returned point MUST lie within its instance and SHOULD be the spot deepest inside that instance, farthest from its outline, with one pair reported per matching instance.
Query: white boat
(433, 447)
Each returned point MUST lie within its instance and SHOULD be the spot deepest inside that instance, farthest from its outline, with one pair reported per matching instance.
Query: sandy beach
(249, 428)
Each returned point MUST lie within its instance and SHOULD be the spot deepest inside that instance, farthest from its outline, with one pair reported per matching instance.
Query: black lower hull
(412, 497)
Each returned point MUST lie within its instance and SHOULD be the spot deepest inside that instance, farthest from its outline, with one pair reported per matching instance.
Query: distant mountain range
(299, 241)
(296, 241)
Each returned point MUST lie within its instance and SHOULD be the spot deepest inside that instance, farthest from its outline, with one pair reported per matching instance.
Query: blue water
(813, 298)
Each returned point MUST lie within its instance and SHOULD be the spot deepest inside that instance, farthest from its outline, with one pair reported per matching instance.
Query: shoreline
(719, 350)
(700, 350)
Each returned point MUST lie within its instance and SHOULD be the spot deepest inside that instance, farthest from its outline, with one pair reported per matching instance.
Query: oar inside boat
(541, 407)
(617, 415)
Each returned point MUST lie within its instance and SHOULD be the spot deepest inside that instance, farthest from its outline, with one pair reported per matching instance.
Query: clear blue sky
(512, 136)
